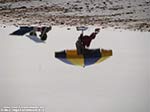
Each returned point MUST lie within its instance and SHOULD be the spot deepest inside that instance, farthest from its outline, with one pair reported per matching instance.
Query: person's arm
(93, 35)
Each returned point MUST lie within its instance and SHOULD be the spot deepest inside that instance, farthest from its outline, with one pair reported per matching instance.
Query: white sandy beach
(31, 76)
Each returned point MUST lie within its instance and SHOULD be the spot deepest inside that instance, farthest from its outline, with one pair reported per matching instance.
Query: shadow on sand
(35, 39)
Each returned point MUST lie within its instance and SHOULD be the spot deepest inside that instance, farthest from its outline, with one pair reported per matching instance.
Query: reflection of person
(83, 42)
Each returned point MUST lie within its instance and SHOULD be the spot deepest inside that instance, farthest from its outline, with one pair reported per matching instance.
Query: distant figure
(43, 30)
(83, 42)
(32, 30)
